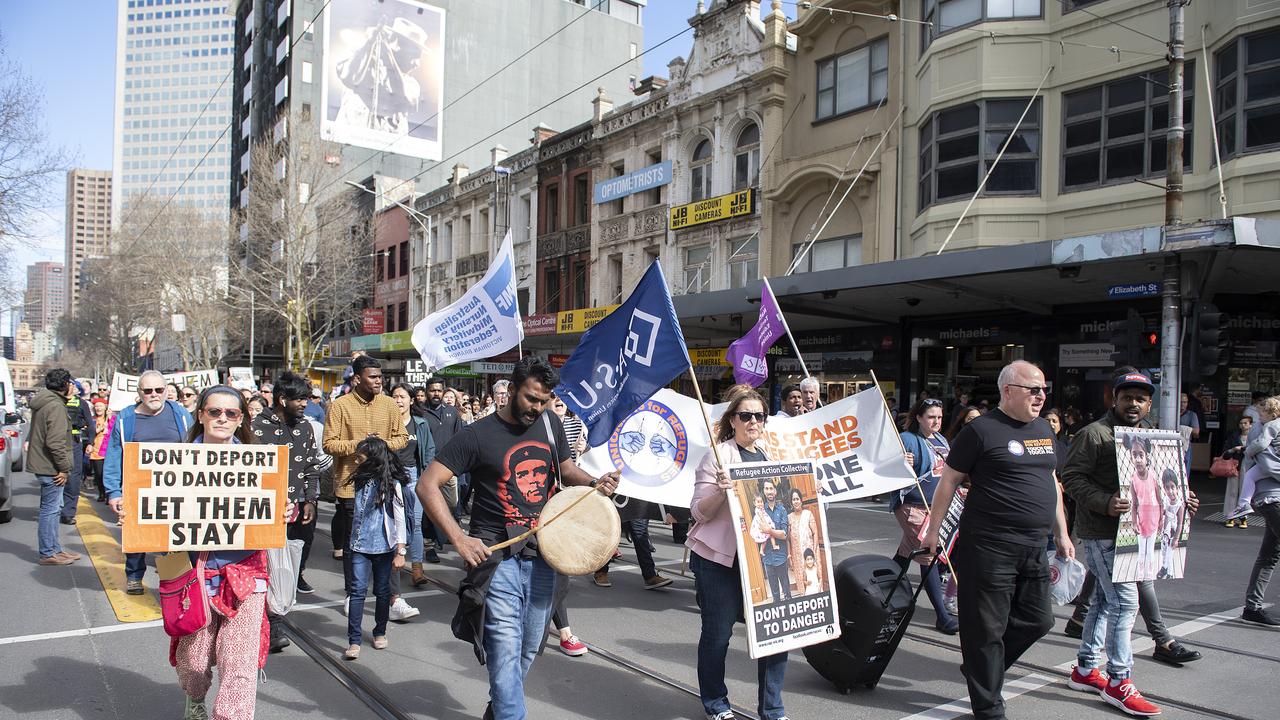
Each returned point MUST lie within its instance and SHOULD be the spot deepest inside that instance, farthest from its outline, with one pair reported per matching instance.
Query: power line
(1090, 13)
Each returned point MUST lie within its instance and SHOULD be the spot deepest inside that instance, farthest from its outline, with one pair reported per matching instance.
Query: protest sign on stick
(1151, 538)
(784, 556)
(124, 388)
(181, 496)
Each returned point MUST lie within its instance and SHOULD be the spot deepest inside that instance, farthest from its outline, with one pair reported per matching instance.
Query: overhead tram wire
(214, 144)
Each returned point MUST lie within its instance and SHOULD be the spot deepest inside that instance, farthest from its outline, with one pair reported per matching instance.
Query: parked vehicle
(12, 437)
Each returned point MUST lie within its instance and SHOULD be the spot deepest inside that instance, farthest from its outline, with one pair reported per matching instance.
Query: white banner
(482, 323)
(124, 388)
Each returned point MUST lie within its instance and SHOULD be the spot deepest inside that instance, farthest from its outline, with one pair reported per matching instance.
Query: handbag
(1224, 467)
(184, 604)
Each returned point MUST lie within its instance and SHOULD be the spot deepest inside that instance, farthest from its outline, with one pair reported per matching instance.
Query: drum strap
(555, 451)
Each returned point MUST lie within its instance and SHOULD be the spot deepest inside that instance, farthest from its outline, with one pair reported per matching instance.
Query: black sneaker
(1260, 617)
(431, 555)
(1175, 654)
(1074, 628)
(304, 586)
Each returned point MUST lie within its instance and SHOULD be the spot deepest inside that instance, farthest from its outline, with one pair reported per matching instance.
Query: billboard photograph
(383, 80)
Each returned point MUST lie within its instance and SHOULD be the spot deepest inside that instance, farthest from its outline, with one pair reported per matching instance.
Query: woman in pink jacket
(714, 560)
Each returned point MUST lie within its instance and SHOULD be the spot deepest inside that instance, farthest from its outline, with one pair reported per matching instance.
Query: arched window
(700, 172)
(746, 158)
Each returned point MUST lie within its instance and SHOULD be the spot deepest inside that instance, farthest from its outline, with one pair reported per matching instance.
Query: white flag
(482, 323)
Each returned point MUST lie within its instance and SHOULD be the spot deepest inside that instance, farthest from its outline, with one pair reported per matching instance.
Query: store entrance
(973, 368)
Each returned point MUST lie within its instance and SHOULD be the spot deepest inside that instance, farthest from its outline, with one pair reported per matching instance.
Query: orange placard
(180, 496)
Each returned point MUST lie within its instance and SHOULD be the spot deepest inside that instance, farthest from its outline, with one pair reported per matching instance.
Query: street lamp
(424, 221)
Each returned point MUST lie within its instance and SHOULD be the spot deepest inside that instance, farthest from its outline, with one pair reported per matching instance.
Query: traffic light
(1209, 329)
(1127, 340)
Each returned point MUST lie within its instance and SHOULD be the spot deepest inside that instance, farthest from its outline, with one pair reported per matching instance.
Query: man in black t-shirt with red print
(514, 455)
(1002, 575)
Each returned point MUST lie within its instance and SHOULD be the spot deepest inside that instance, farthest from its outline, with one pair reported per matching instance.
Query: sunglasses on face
(216, 413)
(1033, 389)
(188, 394)
(747, 417)
(152, 391)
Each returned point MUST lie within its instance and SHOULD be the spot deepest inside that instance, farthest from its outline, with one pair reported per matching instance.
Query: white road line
(844, 543)
(1029, 683)
(121, 627)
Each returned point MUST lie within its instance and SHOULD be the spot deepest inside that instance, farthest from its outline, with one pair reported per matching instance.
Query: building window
(615, 280)
(391, 262)
(958, 144)
(551, 201)
(581, 199)
(948, 15)
(379, 273)
(404, 258)
(444, 248)
(654, 196)
(581, 284)
(402, 315)
(700, 172)
(1248, 94)
(306, 71)
(1116, 132)
(744, 261)
(388, 319)
(746, 157)
(616, 207)
(853, 80)
(697, 269)
(551, 289)
(830, 254)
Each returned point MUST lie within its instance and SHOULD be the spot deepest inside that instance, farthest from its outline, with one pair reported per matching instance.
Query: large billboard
(383, 80)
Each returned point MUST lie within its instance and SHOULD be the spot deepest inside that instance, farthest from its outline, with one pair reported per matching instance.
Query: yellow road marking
(108, 560)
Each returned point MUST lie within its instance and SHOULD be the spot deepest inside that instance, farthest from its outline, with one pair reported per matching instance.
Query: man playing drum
(515, 456)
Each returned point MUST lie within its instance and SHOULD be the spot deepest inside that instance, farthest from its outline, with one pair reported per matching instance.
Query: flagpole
(786, 327)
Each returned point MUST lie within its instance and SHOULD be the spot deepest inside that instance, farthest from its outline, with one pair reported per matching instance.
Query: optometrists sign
(180, 496)
(643, 179)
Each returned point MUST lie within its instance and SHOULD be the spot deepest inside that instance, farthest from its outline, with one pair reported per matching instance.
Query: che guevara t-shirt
(511, 469)
(1010, 465)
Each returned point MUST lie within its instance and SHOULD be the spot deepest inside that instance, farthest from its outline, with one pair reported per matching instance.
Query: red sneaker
(573, 647)
(1126, 697)
(1093, 681)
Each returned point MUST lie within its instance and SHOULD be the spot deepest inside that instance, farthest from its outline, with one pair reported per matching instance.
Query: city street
(68, 655)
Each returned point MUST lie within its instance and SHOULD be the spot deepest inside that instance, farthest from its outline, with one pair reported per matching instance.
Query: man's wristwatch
(595, 482)
(402, 551)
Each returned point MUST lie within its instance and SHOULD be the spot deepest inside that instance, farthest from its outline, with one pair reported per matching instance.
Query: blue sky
(74, 68)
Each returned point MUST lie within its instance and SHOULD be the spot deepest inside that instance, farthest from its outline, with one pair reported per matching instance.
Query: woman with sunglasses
(236, 638)
(714, 559)
(926, 450)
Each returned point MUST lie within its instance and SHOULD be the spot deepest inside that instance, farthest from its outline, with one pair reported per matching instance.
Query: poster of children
(1151, 541)
(784, 556)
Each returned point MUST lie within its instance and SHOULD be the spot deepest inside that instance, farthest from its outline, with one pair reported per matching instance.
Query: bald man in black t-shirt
(1002, 576)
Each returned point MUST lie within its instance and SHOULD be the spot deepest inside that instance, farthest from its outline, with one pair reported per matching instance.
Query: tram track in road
(1057, 673)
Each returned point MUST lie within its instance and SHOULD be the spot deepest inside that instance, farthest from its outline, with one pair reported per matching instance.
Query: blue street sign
(643, 179)
(1133, 290)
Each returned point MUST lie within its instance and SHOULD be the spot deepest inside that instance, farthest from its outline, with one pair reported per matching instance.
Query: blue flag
(625, 358)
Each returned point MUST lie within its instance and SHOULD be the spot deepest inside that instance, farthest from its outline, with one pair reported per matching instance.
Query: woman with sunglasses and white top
(714, 560)
(926, 450)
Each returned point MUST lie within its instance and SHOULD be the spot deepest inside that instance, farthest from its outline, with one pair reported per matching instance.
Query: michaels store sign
(643, 179)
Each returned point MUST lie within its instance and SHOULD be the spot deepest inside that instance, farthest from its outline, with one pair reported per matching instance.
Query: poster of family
(786, 561)
(1151, 541)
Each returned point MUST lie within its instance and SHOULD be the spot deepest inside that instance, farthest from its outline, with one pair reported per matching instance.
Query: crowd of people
(407, 464)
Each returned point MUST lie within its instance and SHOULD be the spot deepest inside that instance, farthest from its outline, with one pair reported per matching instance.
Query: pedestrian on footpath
(152, 419)
(377, 545)
(415, 456)
(363, 412)
(927, 454)
(444, 422)
(80, 418)
(713, 557)
(1014, 502)
(49, 451)
(237, 636)
(1093, 481)
(284, 424)
(515, 457)
(1264, 450)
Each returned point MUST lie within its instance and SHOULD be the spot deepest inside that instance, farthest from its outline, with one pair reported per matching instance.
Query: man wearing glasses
(153, 419)
(1014, 501)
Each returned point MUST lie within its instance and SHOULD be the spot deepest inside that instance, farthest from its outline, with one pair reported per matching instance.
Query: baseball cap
(1134, 379)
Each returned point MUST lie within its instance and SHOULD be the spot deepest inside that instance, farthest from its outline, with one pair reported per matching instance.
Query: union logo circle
(651, 446)
(1016, 448)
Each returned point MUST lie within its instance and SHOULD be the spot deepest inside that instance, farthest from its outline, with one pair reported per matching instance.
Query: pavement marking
(104, 629)
(844, 543)
(108, 560)
(1034, 681)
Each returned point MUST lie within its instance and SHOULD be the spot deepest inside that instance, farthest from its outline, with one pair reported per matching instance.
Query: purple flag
(747, 353)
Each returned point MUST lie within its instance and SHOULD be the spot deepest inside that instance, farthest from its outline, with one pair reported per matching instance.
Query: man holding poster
(714, 558)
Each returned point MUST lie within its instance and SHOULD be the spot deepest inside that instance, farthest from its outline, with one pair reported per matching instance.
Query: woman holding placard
(236, 637)
(714, 559)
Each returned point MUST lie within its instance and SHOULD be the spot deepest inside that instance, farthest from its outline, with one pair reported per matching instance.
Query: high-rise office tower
(172, 59)
(88, 225)
(46, 299)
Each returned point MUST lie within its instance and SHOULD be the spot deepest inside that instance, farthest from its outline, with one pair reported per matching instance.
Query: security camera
(912, 301)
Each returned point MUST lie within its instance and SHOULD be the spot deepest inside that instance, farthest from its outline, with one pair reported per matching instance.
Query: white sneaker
(346, 606)
(401, 610)
(951, 604)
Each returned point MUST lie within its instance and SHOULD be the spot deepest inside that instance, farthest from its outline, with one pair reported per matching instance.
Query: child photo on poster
(1151, 540)
(785, 556)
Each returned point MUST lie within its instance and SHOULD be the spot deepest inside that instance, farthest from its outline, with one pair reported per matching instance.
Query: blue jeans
(1110, 619)
(413, 512)
(71, 491)
(516, 611)
(50, 507)
(362, 565)
(719, 594)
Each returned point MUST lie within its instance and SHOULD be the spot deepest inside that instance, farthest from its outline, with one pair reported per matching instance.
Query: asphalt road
(66, 655)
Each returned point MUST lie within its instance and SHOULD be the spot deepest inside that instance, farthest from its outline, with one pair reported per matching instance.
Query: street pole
(1170, 293)
(252, 309)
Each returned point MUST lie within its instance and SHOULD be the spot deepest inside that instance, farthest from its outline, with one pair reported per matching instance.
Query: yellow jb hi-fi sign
(721, 207)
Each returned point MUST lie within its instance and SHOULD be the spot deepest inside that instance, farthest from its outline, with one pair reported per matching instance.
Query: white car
(12, 436)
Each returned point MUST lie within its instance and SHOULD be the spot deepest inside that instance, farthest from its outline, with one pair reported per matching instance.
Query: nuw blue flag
(625, 358)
